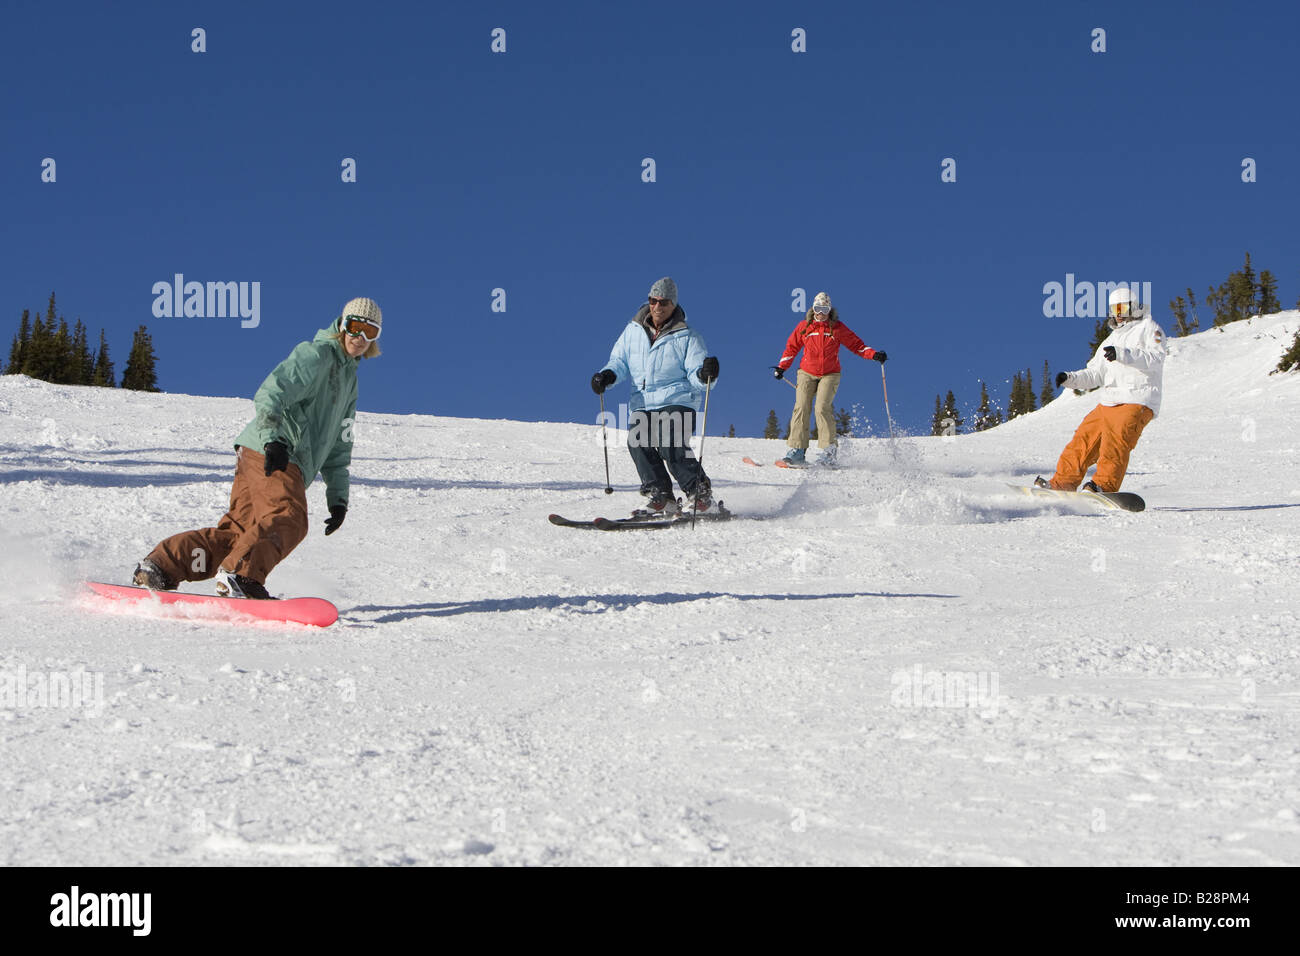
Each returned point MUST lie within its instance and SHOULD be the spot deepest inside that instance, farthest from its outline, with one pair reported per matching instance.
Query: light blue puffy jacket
(663, 372)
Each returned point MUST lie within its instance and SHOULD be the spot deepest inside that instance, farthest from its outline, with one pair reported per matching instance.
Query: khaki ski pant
(267, 519)
(814, 392)
(1106, 436)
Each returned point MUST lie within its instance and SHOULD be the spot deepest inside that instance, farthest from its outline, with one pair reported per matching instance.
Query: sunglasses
(355, 325)
(821, 310)
(653, 301)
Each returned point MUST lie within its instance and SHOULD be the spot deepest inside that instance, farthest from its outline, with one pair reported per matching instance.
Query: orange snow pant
(1106, 436)
(267, 519)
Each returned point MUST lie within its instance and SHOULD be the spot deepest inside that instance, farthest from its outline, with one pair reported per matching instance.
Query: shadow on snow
(606, 602)
(1292, 504)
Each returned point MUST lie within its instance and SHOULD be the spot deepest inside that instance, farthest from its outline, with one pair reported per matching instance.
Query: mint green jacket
(308, 402)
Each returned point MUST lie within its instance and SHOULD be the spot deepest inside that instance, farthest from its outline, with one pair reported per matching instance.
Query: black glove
(709, 370)
(1109, 352)
(1061, 377)
(880, 356)
(277, 456)
(778, 371)
(337, 514)
(602, 380)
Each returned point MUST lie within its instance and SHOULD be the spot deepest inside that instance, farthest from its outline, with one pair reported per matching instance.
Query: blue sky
(522, 171)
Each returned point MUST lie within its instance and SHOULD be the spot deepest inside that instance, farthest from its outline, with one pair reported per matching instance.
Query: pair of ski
(641, 520)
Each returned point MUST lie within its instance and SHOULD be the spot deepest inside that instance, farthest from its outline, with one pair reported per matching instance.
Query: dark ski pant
(659, 441)
(267, 519)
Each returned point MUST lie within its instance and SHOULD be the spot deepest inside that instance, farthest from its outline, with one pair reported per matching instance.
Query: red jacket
(821, 343)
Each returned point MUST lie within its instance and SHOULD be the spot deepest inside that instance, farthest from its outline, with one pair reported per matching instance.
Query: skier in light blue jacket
(668, 366)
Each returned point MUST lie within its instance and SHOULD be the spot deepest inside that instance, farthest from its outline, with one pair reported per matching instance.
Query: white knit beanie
(366, 309)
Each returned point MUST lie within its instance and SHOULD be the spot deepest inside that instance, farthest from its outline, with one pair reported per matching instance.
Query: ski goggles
(1119, 309)
(821, 310)
(357, 325)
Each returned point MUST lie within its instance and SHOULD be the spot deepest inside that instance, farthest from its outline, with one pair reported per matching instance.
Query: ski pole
(604, 443)
(704, 427)
(784, 379)
(885, 388)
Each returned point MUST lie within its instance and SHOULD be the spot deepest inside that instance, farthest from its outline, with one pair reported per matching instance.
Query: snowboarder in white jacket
(1128, 369)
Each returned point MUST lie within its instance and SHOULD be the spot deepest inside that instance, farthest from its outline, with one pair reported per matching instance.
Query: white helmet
(1122, 305)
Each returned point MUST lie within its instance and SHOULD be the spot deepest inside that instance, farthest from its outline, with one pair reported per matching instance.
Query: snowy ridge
(907, 664)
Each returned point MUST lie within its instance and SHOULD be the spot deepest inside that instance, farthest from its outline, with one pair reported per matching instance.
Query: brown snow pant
(267, 519)
(1107, 436)
(814, 391)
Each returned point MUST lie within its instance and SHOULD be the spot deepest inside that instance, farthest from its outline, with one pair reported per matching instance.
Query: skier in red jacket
(820, 334)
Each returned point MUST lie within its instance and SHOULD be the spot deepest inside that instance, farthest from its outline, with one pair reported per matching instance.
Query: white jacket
(1136, 375)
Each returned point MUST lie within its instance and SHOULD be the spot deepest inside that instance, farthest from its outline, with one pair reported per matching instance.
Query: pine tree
(843, 422)
(1100, 332)
(1217, 299)
(773, 427)
(1268, 302)
(1178, 306)
(1247, 290)
(51, 354)
(1241, 297)
(36, 355)
(1031, 400)
(103, 372)
(731, 432)
(81, 364)
(1016, 401)
(1048, 392)
(140, 373)
(19, 346)
(1191, 307)
(983, 412)
(62, 354)
(1291, 357)
(952, 421)
(45, 356)
(936, 423)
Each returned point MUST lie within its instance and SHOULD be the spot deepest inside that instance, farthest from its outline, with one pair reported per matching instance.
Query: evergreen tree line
(1243, 294)
(46, 349)
(947, 418)
(843, 425)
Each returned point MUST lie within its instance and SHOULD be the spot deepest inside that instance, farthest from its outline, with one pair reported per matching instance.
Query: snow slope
(783, 691)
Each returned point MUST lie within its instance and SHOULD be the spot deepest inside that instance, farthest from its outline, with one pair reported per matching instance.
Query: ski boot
(230, 585)
(662, 504)
(795, 457)
(702, 497)
(827, 456)
(1041, 482)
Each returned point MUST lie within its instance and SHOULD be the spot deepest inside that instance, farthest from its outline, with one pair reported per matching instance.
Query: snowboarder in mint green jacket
(303, 427)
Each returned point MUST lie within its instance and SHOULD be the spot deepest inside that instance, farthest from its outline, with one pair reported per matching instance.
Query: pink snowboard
(314, 611)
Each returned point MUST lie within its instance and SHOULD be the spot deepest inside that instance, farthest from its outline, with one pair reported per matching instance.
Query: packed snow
(902, 661)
